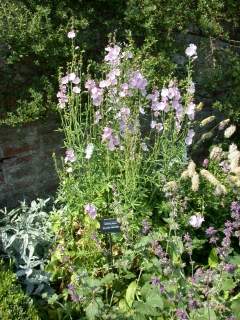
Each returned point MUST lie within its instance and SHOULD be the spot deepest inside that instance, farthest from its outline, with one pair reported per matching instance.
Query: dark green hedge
(33, 45)
(14, 304)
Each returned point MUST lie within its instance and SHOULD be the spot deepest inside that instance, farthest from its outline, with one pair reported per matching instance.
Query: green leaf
(213, 258)
(108, 279)
(145, 308)
(235, 260)
(227, 284)
(204, 314)
(155, 300)
(92, 310)
(235, 306)
(130, 293)
(123, 307)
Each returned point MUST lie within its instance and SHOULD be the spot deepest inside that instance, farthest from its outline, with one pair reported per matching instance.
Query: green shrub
(33, 45)
(14, 304)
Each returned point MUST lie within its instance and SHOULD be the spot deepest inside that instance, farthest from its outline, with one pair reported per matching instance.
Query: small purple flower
(107, 133)
(155, 281)
(235, 210)
(230, 267)
(70, 156)
(91, 210)
(210, 232)
(192, 304)
(72, 291)
(145, 227)
(181, 314)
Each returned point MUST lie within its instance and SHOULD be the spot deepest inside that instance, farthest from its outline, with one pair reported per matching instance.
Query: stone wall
(27, 169)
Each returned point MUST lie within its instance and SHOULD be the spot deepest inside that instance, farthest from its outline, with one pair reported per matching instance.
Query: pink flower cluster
(62, 96)
(95, 92)
(112, 56)
(170, 96)
(91, 210)
(70, 156)
(137, 81)
(62, 93)
(110, 138)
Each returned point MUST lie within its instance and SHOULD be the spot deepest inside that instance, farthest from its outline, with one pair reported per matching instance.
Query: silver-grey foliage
(25, 237)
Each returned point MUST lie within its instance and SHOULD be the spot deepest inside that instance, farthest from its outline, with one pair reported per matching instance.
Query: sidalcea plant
(126, 147)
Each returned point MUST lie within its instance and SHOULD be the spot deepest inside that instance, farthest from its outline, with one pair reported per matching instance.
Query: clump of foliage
(25, 238)
(14, 304)
(127, 158)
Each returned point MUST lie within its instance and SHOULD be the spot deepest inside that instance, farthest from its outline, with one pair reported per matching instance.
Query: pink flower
(104, 83)
(76, 89)
(189, 137)
(113, 54)
(91, 210)
(113, 142)
(71, 76)
(191, 111)
(76, 80)
(164, 93)
(64, 80)
(71, 34)
(191, 88)
(191, 51)
(62, 96)
(137, 81)
(196, 221)
(90, 84)
(107, 132)
(98, 117)
(156, 125)
(70, 156)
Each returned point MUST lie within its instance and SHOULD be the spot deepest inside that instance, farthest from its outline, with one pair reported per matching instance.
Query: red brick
(14, 151)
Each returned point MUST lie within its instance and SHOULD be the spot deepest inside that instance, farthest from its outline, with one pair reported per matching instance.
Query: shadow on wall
(27, 169)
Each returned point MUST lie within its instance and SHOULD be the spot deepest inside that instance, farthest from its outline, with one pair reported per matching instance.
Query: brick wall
(27, 168)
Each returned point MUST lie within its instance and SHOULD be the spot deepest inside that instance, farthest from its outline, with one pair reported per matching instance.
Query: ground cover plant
(127, 142)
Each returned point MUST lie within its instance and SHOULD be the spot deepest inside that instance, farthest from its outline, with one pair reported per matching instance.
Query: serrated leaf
(130, 293)
(213, 258)
(92, 310)
(155, 300)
